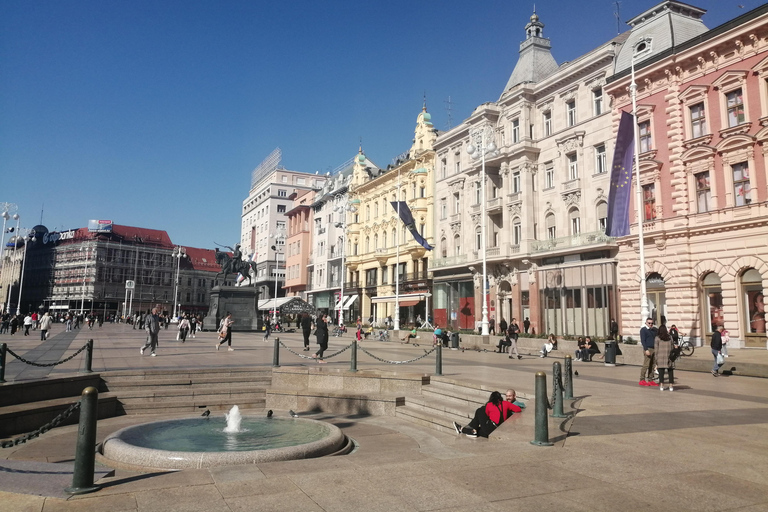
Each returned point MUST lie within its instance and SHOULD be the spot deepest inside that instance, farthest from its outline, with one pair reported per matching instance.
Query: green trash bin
(454, 341)
(610, 352)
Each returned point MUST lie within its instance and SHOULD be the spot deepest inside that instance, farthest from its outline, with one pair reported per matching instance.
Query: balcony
(449, 261)
(582, 239)
(572, 185)
(494, 205)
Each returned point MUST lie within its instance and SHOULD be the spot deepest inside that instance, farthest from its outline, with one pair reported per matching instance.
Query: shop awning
(411, 298)
(406, 303)
(347, 300)
(286, 305)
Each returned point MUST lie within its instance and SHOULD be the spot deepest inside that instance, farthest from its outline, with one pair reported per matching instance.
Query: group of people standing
(320, 327)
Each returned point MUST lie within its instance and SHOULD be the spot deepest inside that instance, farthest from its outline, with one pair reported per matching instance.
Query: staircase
(187, 391)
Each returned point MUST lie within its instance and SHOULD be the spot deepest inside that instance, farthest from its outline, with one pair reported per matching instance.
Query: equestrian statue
(234, 264)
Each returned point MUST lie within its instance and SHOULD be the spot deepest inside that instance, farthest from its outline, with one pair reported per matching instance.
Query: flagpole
(397, 268)
(639, 191)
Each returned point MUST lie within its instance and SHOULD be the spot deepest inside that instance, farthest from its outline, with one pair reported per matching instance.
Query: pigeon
(206, 413)
(293, 414)
(576, 373)
(269, 413)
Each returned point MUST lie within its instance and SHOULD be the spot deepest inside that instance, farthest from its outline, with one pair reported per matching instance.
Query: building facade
(703, 121)
(298, 245)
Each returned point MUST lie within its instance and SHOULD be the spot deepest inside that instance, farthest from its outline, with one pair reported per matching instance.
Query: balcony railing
(565, 242)
(449, 261)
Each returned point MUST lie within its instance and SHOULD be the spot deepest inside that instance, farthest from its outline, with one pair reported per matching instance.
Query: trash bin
(610, 353)
(454, 341)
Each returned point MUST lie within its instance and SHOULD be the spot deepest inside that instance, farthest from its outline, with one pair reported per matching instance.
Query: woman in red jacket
(488, 417)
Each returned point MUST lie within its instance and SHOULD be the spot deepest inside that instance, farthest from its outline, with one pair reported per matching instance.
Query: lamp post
(342, 209)
(640, 49)
(85, 276)
(277, 237)
(7, 208)
(30, 236)
(178, 253)
(483, 137)
(15, 245)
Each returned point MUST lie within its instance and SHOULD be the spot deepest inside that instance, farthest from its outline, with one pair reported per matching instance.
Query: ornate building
(381, 251)
(702, 110)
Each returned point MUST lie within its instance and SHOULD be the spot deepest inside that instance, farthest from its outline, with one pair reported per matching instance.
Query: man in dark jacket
(306, 329)
(152, 326)
(647, 340)
(717, 345)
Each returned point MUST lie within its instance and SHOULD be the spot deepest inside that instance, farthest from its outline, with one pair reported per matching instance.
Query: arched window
(713, 302)
(575, 221)
(443, 248)
(478, 238)
(754, 300)
(375, 210)
(367, 244)
(384, 240)
(375, 242)
(394, 238)
(457, 245)
(517, 231)
(551, 228)
(602, 215)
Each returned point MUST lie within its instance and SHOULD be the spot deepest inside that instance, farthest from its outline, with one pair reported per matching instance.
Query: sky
(154, 114)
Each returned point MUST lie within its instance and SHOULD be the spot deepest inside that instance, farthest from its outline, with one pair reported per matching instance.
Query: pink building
(298, 244)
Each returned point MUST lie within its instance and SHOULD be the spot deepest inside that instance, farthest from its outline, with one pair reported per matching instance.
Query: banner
(407, 217)
(621, 179)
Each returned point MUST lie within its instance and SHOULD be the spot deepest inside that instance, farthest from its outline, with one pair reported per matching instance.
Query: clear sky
(154, 113)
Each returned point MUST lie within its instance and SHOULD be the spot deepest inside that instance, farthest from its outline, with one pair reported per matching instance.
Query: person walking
(193, 325)
(717, 346)
(526, 325)
(513, 332)
(648, 340)
(183, 328)
(321, 331)
(267, 328)
(152, 326)
(45, 325)
(225, 329)
(27, 324)
(306, 329)
(663, 346)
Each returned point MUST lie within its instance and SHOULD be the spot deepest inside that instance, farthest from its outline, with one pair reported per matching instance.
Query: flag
(407, 217)
(621, 179)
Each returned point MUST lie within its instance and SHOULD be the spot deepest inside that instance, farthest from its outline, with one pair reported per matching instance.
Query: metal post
(88, 357)
(541, 429)
(439, 360)
(276, 354)
(3, 348)
(353, 359)
(568, 377)
(85, 453)
(557, 403)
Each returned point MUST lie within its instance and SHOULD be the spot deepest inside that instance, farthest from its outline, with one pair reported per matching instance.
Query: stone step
(207, 381)
(123, 375)
(427, 419)
(21, 418)
(193, 407)
(200, 398)
(460, 397)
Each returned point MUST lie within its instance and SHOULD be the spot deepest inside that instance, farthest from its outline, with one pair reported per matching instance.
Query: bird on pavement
(576, 373)
(293, 414)
(206, 413)
(269, 413)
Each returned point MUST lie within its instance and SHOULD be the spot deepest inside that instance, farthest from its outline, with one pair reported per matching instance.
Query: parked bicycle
(383, 335)
(339, 330)
(686, 347)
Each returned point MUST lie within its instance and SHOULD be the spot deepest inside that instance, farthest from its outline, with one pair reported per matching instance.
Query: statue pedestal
(242, 302)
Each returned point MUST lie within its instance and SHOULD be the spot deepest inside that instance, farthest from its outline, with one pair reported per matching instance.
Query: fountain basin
(202, 442)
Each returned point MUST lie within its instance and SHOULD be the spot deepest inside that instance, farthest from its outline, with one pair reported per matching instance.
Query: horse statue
(234, 265)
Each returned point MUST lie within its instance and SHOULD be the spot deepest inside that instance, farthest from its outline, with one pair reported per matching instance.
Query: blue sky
(154, 114)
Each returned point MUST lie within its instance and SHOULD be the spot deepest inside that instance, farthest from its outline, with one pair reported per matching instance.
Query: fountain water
(204, 442)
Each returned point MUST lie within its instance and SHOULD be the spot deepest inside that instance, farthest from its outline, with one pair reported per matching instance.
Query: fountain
(217, 441)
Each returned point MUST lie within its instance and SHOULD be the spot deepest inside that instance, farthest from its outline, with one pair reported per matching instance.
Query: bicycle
(686, 347)
(339, 331)
(383, 336)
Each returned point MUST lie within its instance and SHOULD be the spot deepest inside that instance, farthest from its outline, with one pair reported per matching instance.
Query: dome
(40, 230)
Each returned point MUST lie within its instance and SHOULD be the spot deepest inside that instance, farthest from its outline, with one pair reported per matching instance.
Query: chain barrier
(45, 365)
(55, 422)
(398, 362)
(314, 358)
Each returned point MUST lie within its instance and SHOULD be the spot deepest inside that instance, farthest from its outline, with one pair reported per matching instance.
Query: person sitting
(549, 346)
(437, 335)
(488, 417)
(581, 351)
(511, 397)
(409, 335)
(504, 343)
(368, 331)
(592, 348)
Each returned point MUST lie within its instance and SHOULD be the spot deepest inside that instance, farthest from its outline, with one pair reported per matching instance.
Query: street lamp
(6, 207)
(15, 245)
(342, 209)
(277, 237)
(178, 253)
(483, 137)
(30, 236)
(85, 276)
(641, 49)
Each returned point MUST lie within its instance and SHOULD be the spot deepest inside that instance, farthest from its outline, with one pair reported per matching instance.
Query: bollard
(85, 453)
(88, 357)
(353, 358)
(3, 348)
(439, 360)
(568, 377)
(541, 429)
(557, 403)
(276, 355)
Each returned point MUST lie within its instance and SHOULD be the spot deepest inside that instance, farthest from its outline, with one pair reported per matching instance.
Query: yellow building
(381, 250)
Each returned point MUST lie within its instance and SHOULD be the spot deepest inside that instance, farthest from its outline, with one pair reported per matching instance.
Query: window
(547, 123)
(443, 248)
(645, 136)
(551, 228)
(573, 215)
(597, 101)
(367, 212)
(698, 121)
(413, 190)
(478, 238)
(478, 192)
(443, 209)
(281, 208)
(457, 245)
(703, 192)
(549, 177)
(443, 168)
(285, 179)
(573, 167)
(384, 239)
(515, 131)
(282, 193)
(601, 167)
(602, 216)
(741, 184)
(376, 210)
(649, 202)
(456, 203)
(423, 192)
(571, 109)
(281, 224)
(457, 163)
(516, 182)
(367, 244)
(735, 106)
(517, 232)
(384, 275)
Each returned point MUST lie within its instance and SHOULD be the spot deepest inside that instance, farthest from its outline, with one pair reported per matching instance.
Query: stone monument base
(242, 302)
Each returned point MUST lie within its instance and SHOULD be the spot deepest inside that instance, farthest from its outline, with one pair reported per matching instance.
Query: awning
(406, 303)
(404, 297)
(286, 305)
(347, 300)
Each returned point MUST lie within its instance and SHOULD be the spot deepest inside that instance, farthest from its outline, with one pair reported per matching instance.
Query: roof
(201, 259)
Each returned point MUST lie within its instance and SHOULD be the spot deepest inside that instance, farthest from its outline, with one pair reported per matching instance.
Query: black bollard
(353, 358)
(557, 403)
(3, 349)
(541, 428)
(568, 377)
(85, 453)
(439, 360)
(88, 357)
(276, 354)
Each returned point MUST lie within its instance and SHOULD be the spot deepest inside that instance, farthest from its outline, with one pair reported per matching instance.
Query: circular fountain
(206, 442)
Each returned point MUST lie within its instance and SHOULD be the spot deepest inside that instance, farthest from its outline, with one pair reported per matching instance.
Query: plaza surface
(702, 447)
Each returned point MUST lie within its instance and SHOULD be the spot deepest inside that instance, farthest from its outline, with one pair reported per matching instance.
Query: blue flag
(621, 179)
(407, 217)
